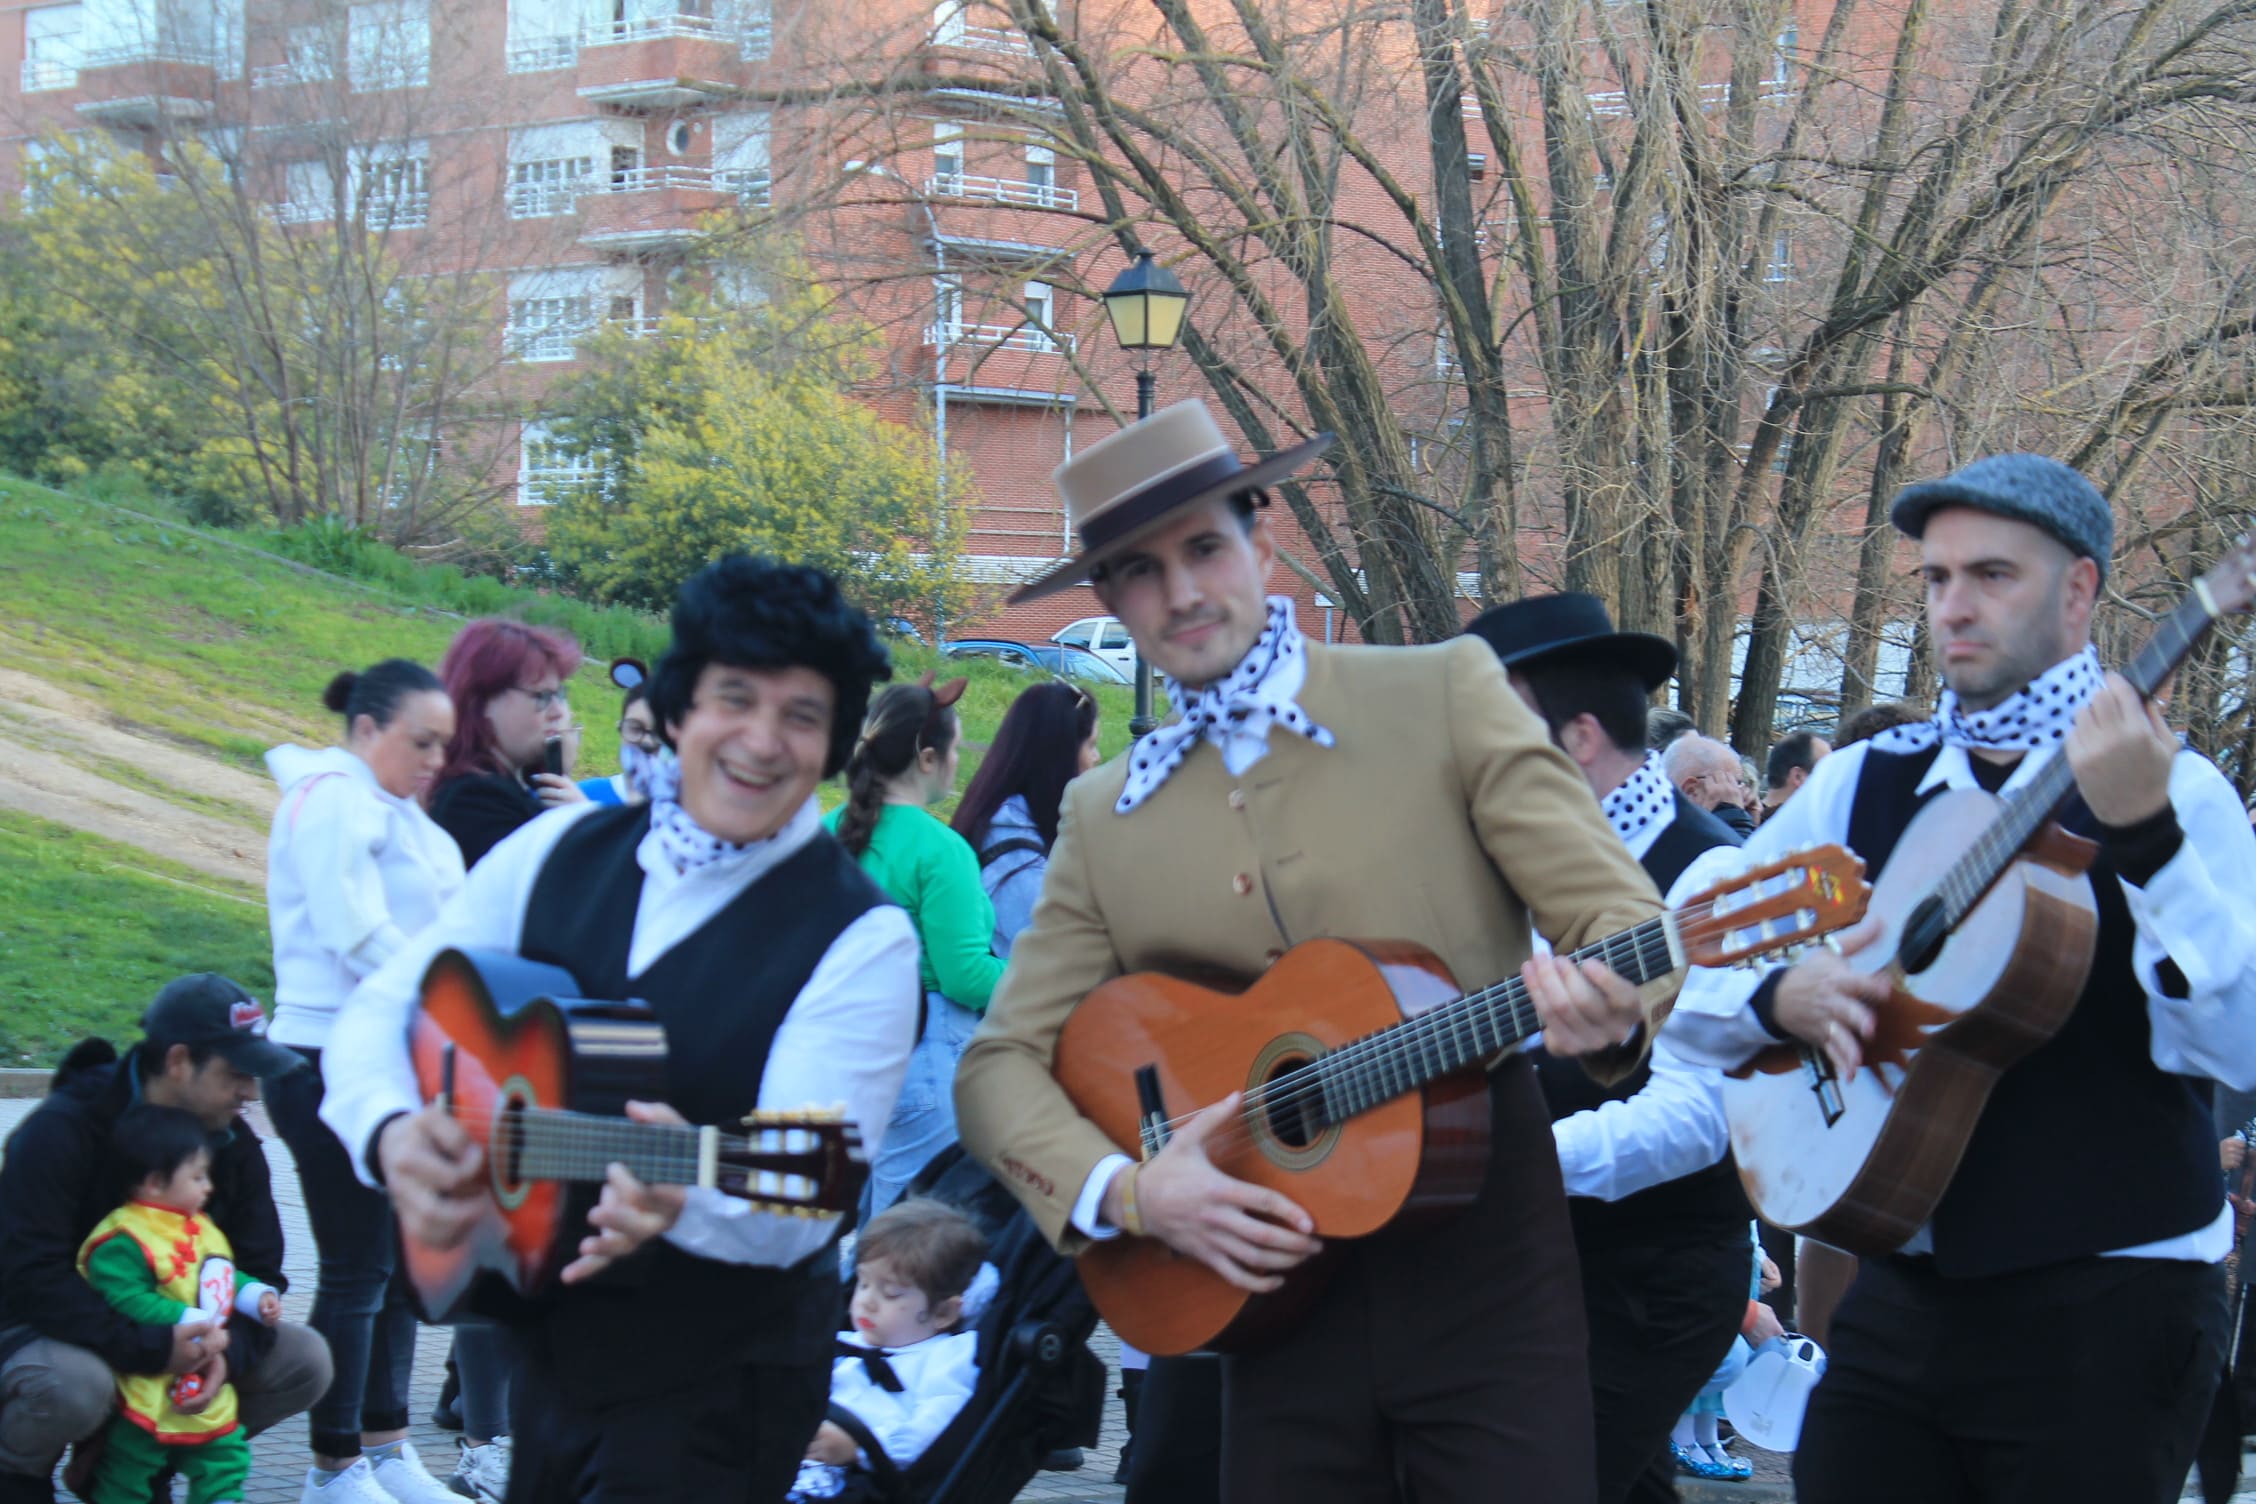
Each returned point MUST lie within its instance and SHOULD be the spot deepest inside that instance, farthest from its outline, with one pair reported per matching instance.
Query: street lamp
(1146, 306)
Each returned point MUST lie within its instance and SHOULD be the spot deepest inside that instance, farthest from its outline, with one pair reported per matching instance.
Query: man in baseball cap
(204, 1048)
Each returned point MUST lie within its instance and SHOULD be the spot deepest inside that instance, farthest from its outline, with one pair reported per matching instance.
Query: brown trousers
(1443, 1361)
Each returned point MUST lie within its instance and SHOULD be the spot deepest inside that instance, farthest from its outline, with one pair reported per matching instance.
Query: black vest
(663, 1317)
(1694, 1208)
(2085, 1146)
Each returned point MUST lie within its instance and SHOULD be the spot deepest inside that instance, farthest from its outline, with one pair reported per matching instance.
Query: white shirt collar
(1953, 769)
(739, 869)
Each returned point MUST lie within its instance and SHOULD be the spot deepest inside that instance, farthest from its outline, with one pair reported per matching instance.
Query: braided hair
(905, 720)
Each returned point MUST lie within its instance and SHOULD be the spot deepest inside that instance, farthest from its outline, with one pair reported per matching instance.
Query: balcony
(662, 62)
(148, 84)
(652, 209)
(991, 39)
(998, 336)
(1001, 191)
(543, 54)
(48, 73)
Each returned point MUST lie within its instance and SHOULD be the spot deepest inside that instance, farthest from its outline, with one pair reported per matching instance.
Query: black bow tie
(873, 1363)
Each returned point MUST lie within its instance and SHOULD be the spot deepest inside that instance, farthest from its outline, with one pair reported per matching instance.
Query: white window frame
(548, 187)
(52, 50)
(537, 482)
(948, 146)
(388, 45)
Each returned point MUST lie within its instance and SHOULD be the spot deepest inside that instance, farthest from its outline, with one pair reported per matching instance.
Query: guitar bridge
(1824, 1083)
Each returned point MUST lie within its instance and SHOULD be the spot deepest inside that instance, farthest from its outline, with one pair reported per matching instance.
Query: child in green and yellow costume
(158, 1260)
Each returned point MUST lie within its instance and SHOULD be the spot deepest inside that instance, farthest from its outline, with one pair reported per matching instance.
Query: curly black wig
(750, 612)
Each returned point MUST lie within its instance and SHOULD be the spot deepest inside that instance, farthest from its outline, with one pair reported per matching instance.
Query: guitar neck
(1474, 1028)
(547, 1144)
(2030, 806)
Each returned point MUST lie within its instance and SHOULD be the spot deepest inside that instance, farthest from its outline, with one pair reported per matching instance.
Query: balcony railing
(1002, 336)
(296, 212)
(409, 211)
(1001, 191)
(543, 54)
(651, 179)
(151, 52)
(989, 39)
(543, 341)
(548, 200)
(48, 73)
(296, 71)
(752, 186)
(649, 29)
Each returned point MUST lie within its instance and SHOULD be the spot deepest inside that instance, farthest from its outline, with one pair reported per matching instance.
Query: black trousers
(2084, 1380)
(1177, 1458)
(1661, 1318)
(736, 1439)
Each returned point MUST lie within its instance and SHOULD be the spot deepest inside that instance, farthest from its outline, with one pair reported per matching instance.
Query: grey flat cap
(2029, 488)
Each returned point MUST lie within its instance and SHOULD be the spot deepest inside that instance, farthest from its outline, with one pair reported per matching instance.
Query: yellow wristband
(1131, 1215)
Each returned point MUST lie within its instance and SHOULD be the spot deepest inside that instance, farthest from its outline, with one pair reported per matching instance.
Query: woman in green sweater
(906, 760)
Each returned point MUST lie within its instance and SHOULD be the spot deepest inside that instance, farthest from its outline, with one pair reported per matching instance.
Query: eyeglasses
(543, 699)
(636, 734)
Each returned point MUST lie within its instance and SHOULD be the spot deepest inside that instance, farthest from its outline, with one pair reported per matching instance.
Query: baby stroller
(1040, 1388)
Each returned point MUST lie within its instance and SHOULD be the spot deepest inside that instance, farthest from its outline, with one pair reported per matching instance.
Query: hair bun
(339, 693)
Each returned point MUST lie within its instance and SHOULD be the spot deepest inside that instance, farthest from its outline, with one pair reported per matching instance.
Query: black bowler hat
(1542, 627)
(208, 1009)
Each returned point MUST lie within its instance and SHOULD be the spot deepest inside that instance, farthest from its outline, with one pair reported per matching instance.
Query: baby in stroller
(911, 1362)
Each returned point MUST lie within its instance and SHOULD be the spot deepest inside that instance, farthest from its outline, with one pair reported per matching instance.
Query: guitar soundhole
(1924, 932)
(505, 1145)
(1290, 1114)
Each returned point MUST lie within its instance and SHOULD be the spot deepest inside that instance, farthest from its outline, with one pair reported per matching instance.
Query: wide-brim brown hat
(1125, 484)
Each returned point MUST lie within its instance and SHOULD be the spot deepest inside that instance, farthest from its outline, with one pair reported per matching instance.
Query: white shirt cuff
(247, 1299)
(1088, 1207)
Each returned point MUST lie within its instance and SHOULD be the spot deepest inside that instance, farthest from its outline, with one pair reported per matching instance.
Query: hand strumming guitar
(1246, 1233)
(436, 1175)
(1825, 1002)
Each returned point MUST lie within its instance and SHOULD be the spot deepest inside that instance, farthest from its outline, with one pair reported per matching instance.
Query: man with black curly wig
(687, 1355)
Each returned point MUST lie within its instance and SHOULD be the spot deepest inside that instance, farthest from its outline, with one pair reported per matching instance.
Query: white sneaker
(405, 1479)
(482, 1473)
(353, 1485)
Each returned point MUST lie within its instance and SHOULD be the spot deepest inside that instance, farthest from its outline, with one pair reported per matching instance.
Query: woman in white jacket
(354, 868)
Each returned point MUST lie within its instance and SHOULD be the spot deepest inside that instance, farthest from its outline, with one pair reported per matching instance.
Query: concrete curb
(21, 1081)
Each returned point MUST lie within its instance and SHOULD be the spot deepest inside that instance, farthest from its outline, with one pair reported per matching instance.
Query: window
(947, 309)
(1781, 264)
(1077, 635)
(310, 194)
(740, 158)
(948, 157)
(394, 188)
(389, 45)
(1476, 165)
(545, 34)
(626, 161)
(1041, 305)
(1114, 639)
(1782, 59)
(948, 22)
(551, 311)
(51, 44)
(546, 472)
(1041, 172)
(548, 187)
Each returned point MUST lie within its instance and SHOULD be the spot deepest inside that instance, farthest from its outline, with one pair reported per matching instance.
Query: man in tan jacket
(1367, 793)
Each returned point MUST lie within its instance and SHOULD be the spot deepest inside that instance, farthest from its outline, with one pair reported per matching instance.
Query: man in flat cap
(2056, 1328)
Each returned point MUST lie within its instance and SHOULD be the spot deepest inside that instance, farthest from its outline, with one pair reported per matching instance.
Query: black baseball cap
(208, 1009)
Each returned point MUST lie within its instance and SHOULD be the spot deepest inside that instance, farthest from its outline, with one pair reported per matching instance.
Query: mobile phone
(552, 754)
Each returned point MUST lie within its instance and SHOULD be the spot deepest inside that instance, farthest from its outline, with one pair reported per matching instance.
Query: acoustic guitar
(1989, 923)
(540, 1077)
(1365, 1090)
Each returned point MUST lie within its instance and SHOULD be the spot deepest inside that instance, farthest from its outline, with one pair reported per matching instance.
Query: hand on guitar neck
(436, 1176)
(1251, 1235)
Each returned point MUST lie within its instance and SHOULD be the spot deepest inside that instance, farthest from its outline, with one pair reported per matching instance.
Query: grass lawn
(89, 930)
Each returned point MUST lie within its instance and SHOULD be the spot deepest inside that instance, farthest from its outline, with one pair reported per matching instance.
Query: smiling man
(1311, 791)
(688, 1356)
(2054, 1332)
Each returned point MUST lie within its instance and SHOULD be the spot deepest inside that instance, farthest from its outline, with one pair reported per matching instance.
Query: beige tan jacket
(1442, 816)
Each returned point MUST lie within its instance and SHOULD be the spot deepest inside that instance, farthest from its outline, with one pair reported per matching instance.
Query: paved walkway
(278, 1471)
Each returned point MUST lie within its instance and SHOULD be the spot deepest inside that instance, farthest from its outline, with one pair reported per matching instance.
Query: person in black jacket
(507, 681)
(61, 1344)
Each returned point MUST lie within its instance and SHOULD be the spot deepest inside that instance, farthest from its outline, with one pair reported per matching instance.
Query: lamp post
(1146, 306)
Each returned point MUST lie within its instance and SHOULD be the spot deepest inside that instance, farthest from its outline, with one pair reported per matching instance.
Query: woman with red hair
(507, 681)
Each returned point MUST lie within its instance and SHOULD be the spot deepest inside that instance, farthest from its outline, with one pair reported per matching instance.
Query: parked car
(1103, 636)
(1039, 657)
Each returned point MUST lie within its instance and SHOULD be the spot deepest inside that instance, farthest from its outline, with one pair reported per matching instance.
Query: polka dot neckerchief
(1645, 797)
(2030, 719)
(686, 844)
(1244, 703)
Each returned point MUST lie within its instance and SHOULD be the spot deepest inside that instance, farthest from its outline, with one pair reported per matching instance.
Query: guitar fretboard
(1377, 1068)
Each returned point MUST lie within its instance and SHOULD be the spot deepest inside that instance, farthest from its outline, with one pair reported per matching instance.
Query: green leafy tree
(739, 428)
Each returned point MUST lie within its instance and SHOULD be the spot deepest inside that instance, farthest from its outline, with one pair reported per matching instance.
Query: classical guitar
(1365, 1093)
(1989, 926)
(540, 1078)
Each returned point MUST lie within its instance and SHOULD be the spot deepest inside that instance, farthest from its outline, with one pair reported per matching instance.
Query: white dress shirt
(937, 1378)
(1673, 1125)
(2198, 911)
(846, 1038)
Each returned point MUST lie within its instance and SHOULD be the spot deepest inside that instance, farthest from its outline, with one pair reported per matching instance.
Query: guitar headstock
(2230, 585)
(803, 1163)
(1765, 910)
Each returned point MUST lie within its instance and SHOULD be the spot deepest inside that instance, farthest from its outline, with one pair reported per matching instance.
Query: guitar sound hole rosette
(505, 1142)
(1287, 1131)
